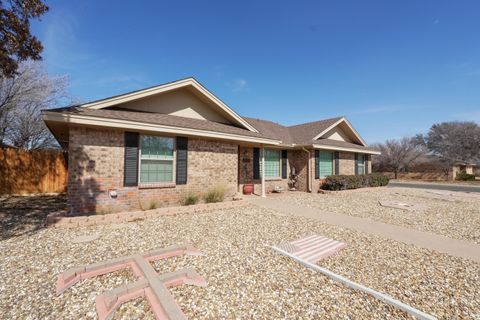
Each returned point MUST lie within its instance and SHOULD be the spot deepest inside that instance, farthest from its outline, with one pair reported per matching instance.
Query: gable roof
(110, 113)
(306, 132)
(187, 82)
(340, 121)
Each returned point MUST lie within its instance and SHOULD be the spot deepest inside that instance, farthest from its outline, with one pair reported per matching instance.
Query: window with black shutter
(182, 160)
(256, 163)
(284, 164)
(130, 176)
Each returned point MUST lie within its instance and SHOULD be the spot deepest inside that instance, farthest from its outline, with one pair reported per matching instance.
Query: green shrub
(346, 182)
(463, 176)
(188, 199)
(215, 194)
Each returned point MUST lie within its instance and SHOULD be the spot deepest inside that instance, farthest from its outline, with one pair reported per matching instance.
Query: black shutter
(256, 163)
(284, 164)
(337, 163)
(182, 160)
(130, 166)
(317, 164)
(366, 163)
(356, 163)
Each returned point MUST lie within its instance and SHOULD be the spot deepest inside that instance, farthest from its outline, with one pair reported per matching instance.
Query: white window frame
(174, 164)
(279, 177)
(319, 163)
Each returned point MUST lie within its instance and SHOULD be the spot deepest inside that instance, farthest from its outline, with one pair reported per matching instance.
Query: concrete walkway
(454, 247)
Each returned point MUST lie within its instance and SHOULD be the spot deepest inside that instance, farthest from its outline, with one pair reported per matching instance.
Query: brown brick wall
(299, 159)
(347, 163)
(295, 159)
(96, 166)
(246, 173)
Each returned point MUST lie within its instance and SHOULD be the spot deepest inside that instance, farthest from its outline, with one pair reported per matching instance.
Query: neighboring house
(161, 142)
(458, 167)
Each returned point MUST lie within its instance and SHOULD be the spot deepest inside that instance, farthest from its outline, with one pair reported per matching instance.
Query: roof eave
(335, 148)
(67, 118)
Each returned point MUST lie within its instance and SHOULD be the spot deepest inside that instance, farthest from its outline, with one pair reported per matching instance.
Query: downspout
(309, 180)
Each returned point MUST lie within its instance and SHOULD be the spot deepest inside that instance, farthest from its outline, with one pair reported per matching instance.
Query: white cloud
(436, 21)
(239, 85)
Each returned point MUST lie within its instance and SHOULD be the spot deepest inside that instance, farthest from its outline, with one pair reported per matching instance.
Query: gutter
(347, 149)
(309, 179)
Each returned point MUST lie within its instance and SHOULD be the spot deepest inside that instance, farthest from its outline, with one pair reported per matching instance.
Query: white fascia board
(327, 147)
(343, 119)
(142, 126)
(168, 87)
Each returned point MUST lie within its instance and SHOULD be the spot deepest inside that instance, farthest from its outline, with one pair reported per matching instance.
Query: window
(361, 163)
(325, 165)
(156, 159)
(272, 163)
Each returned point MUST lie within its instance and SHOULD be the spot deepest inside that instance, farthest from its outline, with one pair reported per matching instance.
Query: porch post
(263, 173)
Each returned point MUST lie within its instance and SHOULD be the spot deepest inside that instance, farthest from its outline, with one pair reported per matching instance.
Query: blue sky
(392, 67)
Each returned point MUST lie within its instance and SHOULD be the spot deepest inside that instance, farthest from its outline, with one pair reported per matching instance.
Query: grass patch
(215, 194)
(188, 198)
(149, 204)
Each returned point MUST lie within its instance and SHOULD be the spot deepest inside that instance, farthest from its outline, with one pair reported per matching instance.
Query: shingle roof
(301, 134)
(271, 129)
(158, 118)
(304, 133)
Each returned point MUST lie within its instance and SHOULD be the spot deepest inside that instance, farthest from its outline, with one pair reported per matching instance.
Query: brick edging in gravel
(57, 220)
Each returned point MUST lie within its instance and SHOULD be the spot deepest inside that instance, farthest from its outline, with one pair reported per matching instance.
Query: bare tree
(397, 155)
(22, 97)
(452, 142)
(455, 141)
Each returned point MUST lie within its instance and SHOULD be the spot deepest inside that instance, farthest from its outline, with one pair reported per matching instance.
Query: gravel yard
(456, 216)
(246, 279)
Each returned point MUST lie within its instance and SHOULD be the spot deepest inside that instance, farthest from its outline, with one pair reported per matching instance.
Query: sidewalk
(435, 186)
(454, 247)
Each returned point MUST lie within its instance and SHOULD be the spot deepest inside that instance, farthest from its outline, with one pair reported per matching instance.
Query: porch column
(263, 173)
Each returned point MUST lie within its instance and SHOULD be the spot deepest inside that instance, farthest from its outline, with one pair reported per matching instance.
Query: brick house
(161, 142)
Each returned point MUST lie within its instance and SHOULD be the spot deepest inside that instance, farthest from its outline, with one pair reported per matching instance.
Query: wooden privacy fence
(29, 172)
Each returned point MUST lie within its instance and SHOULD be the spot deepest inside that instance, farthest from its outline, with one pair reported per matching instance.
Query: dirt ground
(20, 215)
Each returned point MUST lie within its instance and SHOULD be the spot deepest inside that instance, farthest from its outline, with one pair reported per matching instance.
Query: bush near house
(346, 182)
(148, 204)
(215, 194)
(188, 199)
(463, 176)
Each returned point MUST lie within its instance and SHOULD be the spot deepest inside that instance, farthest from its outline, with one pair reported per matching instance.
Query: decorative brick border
(58, 220)
(149, 283)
